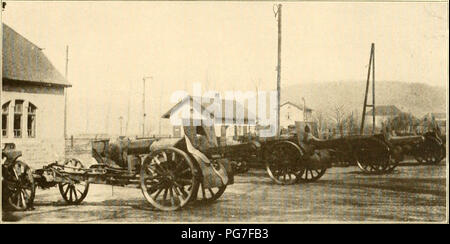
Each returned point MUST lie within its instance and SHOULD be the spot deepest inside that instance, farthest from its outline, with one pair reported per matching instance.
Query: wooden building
(290, 113)
(231, 121)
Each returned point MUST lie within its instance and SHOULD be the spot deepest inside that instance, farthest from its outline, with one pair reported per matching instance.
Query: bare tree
(338, 115)
(320, 118)
(349, 123)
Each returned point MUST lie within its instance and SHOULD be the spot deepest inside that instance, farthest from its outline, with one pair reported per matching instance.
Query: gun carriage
(428, 148)
(306, 159)
(170, 172)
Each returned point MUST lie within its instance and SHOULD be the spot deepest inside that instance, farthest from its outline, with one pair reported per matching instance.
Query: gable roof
(385, 110)
(205, 103)
(167, 114)
(24, 61)
(295, 105)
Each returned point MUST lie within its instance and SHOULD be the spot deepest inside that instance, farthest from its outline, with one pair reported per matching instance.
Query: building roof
(385, 110)
(205, 104)
(295, 105)
(24, 61)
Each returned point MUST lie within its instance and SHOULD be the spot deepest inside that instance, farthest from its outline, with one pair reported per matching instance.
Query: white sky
(233, 45)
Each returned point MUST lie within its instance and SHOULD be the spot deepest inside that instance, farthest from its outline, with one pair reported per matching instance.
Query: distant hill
(417, 98)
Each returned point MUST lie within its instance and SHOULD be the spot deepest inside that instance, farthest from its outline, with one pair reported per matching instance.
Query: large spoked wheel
(391, 165)
(74, 191)
(308, 175)
(432, 151)
(19, 186)
(168, 179)
(443, 151)
(375, 165)
(209, 195)
(374, 158)
(282, 164)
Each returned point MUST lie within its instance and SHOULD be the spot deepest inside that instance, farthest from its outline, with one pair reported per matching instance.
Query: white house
(291, 112)
(382, 114)
(229, 117)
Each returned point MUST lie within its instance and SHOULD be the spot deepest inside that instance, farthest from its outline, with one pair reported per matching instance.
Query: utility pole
(120, 122)
(160, 110)
(143, 105)
(1, 51)
(87, 115)
(373, 88)
(304, 109)
(371, 69)
(108, 112)
(128, 112)
(65, 92)
(277, 13)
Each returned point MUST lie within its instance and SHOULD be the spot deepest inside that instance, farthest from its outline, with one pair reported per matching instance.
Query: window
(31, 121)
(5, 113)
(18, 118)
(20, 121)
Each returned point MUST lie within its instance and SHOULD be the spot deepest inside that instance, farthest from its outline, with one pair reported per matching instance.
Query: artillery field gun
(170, 172)
(306, 158)
(173, 172)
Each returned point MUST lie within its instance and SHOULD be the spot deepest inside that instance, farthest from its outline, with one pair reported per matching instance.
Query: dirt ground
(411, 193)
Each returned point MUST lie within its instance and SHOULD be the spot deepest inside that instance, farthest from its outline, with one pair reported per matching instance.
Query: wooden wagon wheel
(282, 162)
(432, 151)
(372, 165)
(375, 158)
(209, 195)
(20, 185)
(75, 191)
(168, 179)
(310, 175)
(391, 165)
(443, 151)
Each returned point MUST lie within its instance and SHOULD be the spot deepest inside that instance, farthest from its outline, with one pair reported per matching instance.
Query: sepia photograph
(224, 112)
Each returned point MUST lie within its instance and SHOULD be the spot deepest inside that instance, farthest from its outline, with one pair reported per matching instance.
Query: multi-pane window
(19, 119)
(18, 110)
(5, 113)
(31, 121)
